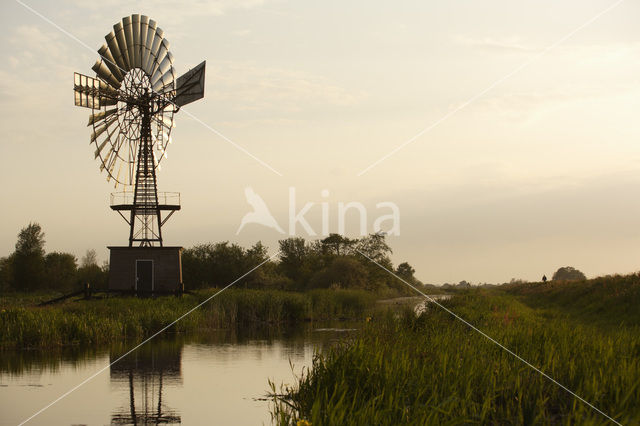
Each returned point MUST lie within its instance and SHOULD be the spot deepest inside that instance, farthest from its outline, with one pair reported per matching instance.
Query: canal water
(218, 377)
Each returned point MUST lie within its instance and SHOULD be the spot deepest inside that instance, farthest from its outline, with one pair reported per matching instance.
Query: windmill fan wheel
(135, 63)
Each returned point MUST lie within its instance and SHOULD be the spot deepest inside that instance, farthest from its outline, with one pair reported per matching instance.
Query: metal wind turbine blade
(112, 42)
(111, 133)
(130, 173)
(100, 130)
(105, 74)
(108, 94)
(118, 174)
(135, 25)
(110, 62)
(167, 87)
(163, 49)
(107, 89)
(100, 148)
(128, 36)
(164, 81)
(112, 163)
(96, 133)
(108, 102)
(99, 116)
(122, 45)
(163, 68)
(104, 164)
(190, 85)
(148, 44)
(153, 52)
(110, 160)
(144, 29)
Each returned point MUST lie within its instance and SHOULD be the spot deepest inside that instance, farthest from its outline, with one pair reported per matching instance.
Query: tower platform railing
(124, 200)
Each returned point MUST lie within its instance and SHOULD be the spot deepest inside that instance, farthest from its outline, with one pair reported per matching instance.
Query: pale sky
(540, 171)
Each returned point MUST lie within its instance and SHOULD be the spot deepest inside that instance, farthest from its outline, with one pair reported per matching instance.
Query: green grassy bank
(435, 370)
(102, 321)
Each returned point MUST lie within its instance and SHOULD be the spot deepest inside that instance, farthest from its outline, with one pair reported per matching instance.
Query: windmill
(133, 100)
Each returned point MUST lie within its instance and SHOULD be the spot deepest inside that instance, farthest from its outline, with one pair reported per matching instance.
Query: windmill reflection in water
(146, 373)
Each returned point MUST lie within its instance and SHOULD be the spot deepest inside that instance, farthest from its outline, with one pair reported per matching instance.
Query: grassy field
(433, 369)
(102, 321)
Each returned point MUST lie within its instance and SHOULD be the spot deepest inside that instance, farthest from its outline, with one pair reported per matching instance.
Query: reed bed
(103, 321)
(433, 369)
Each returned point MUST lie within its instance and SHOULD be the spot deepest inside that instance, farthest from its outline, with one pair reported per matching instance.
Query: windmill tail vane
(133, 100)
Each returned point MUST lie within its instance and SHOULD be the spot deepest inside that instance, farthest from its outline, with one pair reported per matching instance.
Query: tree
(344, 272)
(90, 273)
(293, 255)
(227, 263)
(257, 254)
(30, 240)
(262, 276)
(208, 265)
(568, 273)
(293, 250)
(195, 268)
(89, 259)
(60, 269)
(406, 271)
(337, 244)
(6, 273)
(28, 264)
(375, 248)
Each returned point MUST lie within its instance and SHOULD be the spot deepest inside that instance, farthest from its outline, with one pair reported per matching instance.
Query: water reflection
(144, 373)
(20, 362)
(213, 377)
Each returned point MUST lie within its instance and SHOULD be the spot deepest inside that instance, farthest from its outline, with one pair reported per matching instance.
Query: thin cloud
(261, 122)
(31, 46)
(241, 33)
(35, 58)
(168, 10)
(275, 91)
(524, 102)
(508, 44)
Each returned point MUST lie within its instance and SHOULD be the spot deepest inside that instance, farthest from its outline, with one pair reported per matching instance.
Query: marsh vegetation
(434, 369)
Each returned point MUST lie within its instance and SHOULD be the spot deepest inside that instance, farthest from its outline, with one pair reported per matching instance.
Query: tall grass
(610, 300)
(108, 320)
(435, 370)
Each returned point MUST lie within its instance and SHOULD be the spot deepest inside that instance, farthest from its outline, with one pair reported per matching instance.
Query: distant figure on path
(260, 213)
(544, 278)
